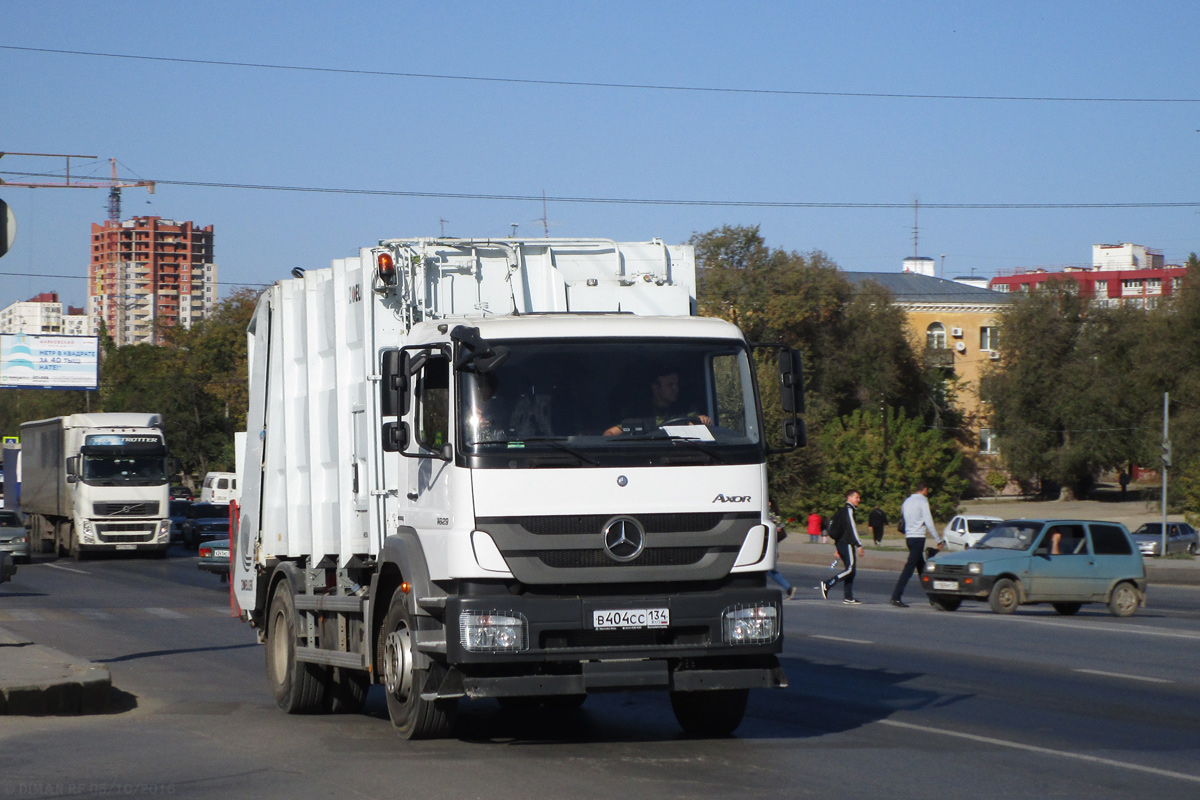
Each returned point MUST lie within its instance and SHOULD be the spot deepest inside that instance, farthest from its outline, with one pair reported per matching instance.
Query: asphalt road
(883, 702)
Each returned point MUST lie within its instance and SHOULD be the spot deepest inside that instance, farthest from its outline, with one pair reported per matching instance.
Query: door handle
(412, 496)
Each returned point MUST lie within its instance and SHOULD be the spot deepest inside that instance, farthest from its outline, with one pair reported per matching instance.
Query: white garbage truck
(95, 483)
(520, 470)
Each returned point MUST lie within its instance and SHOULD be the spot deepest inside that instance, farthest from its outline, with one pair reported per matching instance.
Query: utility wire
(608, 85)
(646, 201)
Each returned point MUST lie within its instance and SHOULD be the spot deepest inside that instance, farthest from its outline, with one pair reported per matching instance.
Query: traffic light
(1166, 454)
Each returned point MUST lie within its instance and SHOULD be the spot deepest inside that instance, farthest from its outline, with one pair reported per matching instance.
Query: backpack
(900, 523)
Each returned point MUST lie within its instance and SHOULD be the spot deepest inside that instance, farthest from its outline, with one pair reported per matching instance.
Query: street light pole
(1166, 464)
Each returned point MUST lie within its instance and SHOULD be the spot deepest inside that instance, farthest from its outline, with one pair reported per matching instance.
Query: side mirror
(395, 437)
(791, 381)
(73, 467)
(394, 385)
(791, 397)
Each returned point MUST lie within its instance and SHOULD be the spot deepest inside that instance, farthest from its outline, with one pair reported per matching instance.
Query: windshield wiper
(695, 444)
(554, 441)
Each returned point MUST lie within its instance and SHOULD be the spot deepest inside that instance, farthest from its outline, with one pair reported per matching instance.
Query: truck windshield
(131, 470)
(614, 402)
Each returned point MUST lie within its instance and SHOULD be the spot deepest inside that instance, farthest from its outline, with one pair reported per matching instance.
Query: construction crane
(114, 185)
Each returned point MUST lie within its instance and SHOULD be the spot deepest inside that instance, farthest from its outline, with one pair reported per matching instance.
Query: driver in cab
(665, 407)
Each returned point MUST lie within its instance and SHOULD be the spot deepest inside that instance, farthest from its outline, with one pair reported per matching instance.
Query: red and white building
(149, 272)
(1121, 274)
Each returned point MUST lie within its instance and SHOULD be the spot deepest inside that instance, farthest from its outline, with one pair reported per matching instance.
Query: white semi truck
(95, 483)
(510, 469)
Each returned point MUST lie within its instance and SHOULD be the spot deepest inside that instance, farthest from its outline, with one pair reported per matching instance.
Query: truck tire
(299, 687)
(413, 716)
(345, 691)
(711, 713)
(73, 538)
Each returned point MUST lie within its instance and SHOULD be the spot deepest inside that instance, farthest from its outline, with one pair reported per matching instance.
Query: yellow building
(954, 326)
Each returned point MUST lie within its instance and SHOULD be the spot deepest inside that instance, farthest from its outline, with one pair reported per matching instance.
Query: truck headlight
(86, 531)
(975, 568)
(493, 631)
(164, 529)
(750, 624)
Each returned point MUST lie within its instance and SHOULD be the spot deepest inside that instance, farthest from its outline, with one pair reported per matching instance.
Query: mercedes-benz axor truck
(520, 470)
(96, 483)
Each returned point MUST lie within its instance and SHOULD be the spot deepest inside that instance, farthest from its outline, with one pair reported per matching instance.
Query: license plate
(632, 618)
(220, 554)
(127, 547)
(951, 586)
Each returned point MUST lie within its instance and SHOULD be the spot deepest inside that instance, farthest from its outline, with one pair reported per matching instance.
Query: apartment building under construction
(148, 273)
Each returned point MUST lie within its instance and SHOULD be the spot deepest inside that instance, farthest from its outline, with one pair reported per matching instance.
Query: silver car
(1181, 538)
(14, 539)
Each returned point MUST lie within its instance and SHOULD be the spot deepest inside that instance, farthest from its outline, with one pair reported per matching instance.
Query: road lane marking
(165, 613)
(1109, 628)
(839, 639)
(93, 613)
(1122, 675)
(1048, 751)
(68, 569)
(22, 615)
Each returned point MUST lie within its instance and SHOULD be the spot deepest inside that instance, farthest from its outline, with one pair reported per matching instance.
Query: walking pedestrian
(917, 519)
(844, 533)
(789, 591)
(814, 528)
(878, 521)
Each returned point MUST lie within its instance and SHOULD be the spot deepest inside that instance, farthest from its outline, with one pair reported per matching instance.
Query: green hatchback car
(1063, 562)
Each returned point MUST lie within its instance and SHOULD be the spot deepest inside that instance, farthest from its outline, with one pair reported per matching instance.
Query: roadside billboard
(32, 361)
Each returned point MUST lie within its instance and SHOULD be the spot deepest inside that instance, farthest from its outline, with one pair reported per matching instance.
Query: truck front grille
(126, 532)
(594, 640)
(119, 509)
(569, 525)
(651, 557)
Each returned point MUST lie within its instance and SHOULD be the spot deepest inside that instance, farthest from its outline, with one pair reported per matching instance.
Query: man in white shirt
(917, 520)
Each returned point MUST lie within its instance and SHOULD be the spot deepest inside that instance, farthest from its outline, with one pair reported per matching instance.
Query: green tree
(854, 446)
(856, 351)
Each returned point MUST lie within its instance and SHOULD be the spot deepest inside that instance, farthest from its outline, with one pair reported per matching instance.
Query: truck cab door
(431, 423)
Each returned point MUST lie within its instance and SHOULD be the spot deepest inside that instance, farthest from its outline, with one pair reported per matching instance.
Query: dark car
(1063, 562)
(214, 557)
(177, 512)
(180, 493)
(205, 521)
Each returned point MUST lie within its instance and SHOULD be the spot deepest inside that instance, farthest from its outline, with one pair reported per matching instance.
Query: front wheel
(945, 602)
(711, 713)
(1005, 596)
(413, 716)
(1124, 600)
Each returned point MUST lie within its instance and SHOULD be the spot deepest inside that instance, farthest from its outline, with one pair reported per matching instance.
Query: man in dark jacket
(877, 521)
(844, 533)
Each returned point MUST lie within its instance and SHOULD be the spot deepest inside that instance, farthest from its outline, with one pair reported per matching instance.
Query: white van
(219, 487)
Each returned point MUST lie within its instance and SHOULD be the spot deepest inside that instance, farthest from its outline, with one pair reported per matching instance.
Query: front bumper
(16, 549)
(566, 654)
(963, 585)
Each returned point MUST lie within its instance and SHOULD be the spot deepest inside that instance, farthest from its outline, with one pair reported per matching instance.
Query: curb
(41, 681)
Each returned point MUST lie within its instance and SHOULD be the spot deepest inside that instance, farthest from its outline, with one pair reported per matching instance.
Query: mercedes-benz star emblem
(624, 539)
(622, 480)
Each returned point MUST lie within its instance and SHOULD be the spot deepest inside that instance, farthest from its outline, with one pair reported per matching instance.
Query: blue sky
(223, 124)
